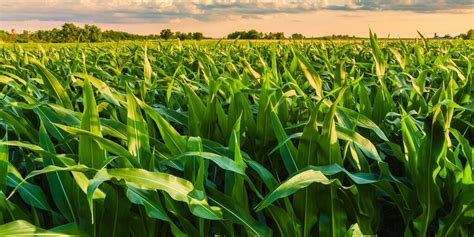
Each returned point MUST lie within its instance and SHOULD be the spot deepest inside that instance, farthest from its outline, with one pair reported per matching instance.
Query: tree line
(469, 35)
(168, 34)
(253, 34)
(89, 33)
(92, 33)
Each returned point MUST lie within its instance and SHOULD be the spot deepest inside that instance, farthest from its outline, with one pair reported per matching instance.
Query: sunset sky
(217, 18)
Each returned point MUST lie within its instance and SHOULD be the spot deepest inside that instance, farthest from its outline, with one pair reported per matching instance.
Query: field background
(238, 138)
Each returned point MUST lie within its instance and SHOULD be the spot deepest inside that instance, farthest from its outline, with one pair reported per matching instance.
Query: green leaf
(362, 121)
(147, 72)
(305, 208)
(103, 89)
(432, 149)
(137, 133)
(294, 183)
(314, 174)
(287, 149)
(330, 153)
(116, 216)
(60, 183)
(379, 60)
(15, 122)
(411, 141)
(3, 166)
(361, 142)
(236, 214)
(173, 140)
(196, 108)
(150, 200)
(90, 153)
(24, 228)
(311, 75)
(179, 189)
(32, 194)
(463, 204)
(222, 161)
(108, 145)
(52, 84)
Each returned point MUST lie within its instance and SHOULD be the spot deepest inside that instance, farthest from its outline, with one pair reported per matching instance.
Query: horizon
(217, 18)
(81, 25)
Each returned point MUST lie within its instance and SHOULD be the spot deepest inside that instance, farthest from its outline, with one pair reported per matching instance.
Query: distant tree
(339, 37)
(279, 35)
(179, 35)
(36, 36)
(198, 36)
(26, 35)
(55, 36)
(92, 33)
(89, 33)
(166, 34)
(13, 36)
(235, 35)
(462, 36)
(273, 35)
(470, 34)
(23, 37)
(70, 32)
(4, 36)
(183, 36)
(253, 34)
(297, 36)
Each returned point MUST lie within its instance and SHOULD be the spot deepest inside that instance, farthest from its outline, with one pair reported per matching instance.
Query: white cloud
(143, 11)
(416, 5)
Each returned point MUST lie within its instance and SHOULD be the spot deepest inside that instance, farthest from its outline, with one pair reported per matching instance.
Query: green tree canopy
(198, 36)
(70, 32)
(166, 34)
(253, 34)
(470, 34)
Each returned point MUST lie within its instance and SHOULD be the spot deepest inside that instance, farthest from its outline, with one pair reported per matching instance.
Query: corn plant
(238, 139)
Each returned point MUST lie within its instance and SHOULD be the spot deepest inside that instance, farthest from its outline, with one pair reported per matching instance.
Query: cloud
(415, 5)
(147, 11)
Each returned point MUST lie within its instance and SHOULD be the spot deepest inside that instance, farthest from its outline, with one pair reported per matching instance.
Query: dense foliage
(238, 139)
(89, 33)
(253, 34)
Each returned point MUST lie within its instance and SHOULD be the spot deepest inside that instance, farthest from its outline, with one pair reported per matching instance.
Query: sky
(217, 18)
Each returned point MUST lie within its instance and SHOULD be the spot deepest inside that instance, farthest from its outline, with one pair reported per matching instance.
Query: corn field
(238, 139)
